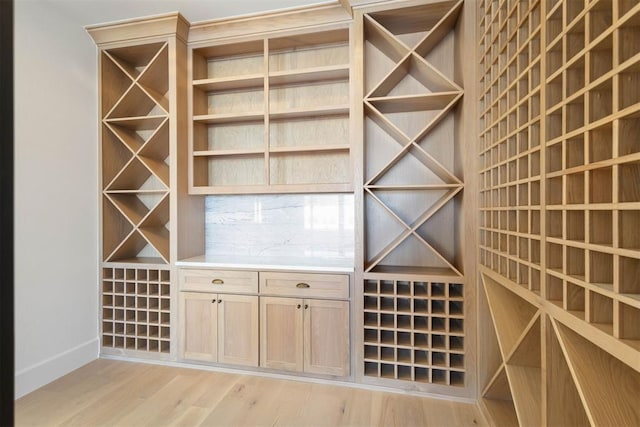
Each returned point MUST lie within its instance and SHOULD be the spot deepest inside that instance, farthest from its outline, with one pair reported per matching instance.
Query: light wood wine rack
(414, 331)
(135, 153)
(560, 210)
(136, 309)
(413, 282)
(272, 115)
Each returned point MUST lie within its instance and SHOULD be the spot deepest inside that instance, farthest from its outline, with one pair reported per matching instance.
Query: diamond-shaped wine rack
(409, 183)
(135, 153)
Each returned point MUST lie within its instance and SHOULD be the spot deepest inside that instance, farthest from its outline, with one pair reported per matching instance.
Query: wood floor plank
(116, 393)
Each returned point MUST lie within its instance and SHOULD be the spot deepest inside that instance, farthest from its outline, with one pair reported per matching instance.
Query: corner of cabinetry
(167, 24)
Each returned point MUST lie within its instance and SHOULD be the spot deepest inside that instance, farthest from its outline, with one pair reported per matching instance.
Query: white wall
(56, 196)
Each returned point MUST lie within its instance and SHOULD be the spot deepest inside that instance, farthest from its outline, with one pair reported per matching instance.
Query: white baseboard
(42, 373)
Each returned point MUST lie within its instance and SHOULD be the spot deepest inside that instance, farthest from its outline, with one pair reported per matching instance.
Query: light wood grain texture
(107, 392)
(199, 320)
(281, 333)
(238, 329)
(304, 285)
(326, 337)
(564, 406)
(598, 376)
(215, 281)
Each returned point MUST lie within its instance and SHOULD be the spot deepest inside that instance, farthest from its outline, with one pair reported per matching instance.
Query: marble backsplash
(282, 225)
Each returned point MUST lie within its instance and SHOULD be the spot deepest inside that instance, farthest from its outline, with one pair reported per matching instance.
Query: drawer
(305, 285)
(228, 281)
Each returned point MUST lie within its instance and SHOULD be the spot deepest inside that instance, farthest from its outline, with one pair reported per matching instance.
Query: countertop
(315, 264)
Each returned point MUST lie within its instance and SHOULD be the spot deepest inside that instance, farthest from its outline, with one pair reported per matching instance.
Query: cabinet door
(281, 333)
(238, 329)
(326, 337)
(199, 314)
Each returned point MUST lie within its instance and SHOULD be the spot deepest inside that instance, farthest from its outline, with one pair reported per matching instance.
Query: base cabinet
(305, 335)
(220, 328)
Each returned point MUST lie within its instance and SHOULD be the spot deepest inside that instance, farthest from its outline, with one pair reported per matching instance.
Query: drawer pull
(217, 282)
(303, 285)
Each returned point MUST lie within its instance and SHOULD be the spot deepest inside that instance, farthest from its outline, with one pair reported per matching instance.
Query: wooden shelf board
(223, 153)
(501, 412)
(309, 149)
(333, 110)
(256, 116)
(526, 383)
(310, 75)
(249, 81)
(407, 103)
(608, 386)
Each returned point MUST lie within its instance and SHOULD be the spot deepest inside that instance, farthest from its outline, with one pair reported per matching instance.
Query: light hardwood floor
(108, 392)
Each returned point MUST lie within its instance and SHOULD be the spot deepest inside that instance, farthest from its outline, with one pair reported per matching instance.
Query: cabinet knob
(306, 306)
(213, 301)
(219, 301)
(302, 285)
(217, 282)
(299, 306)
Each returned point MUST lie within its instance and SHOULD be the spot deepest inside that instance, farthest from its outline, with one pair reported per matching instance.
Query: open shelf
(272, 114)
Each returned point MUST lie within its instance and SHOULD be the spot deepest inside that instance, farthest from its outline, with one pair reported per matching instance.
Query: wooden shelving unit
(272, 114)
(144, 199)
(414, 292)
(135, 153)
(559, 174)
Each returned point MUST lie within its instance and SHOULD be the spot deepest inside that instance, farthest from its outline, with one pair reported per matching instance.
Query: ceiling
(87, 12)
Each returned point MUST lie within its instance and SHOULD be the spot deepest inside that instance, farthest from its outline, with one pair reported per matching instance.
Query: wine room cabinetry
(142, 64)
(559, 111)
(219, 316)
(415, 327)
(304, 327)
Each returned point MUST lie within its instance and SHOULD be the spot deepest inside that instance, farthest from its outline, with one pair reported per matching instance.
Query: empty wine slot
(601, 268)
(555, 92)
(554, 289)
(629, 321)
(439, 376)
(141, 316)
(387, 287)
(370, 335)
(370, 287)
(165, 290)
(403, 322)
(629, 182)
(370, 303)
(575, 188)
(574, 114)
(523, 275)
(420, 289)
(629, 272)
(575, 262)
(575, 38)
(600, 185)
(554, 24)
(629, 223)
(438, 324)
(575, 300)
(601, 227)
(628, 86)
(404, 338)
(420, 340)
(601, 101)
(554, 256)
(554, 125)
(371, 369)
(575, 225)
(628, 131)
(535, 218)
(554, 191)
(554, 157)
(420, 323)
(141, 289)
(387, 321)
(370, 319)
(523, 250)
(600, 19)
(601, 59)
(575, 76)
(420, 306)
(574, 149)
(130, 288)
(601, 311)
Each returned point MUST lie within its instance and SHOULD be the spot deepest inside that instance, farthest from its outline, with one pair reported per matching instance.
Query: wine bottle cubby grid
(560, 160)
(136, 309)
(135, 153)
(590, 145)
(414, 331)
